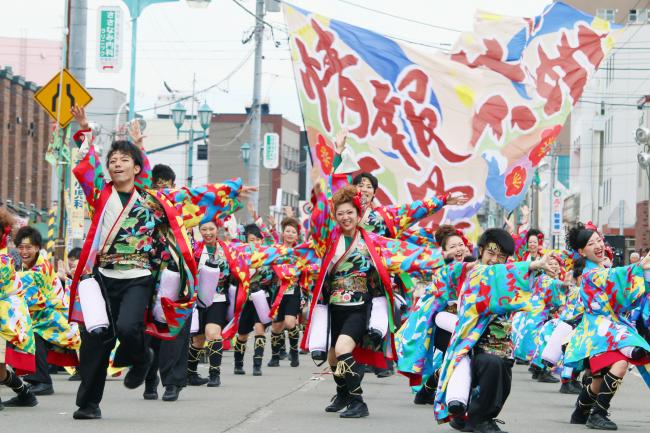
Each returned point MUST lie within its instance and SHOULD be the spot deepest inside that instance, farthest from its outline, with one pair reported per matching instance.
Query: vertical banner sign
(51, 225)
(271, 154)
(109, 39)
(77, 201)
(556, 229)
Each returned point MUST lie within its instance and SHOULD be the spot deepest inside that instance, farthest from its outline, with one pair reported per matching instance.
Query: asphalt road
(291, 400)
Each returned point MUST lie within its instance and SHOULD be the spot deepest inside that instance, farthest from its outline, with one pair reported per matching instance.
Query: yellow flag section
(60, 94)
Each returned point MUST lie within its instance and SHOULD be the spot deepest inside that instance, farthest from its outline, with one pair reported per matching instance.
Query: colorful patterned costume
(15, 321)
(49, 313)
(608, 296)
(547, 295)
(488, 291)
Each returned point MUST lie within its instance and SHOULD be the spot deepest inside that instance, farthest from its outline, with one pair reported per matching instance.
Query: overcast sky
(175, 41)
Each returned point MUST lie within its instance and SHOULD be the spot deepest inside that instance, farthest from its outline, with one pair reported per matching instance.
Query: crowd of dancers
(167, 277)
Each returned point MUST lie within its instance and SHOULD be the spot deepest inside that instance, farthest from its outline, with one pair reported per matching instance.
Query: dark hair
(127, 148)
(578, 236)
(290, 222)
(365, 175)
(443, 233)
(252, 229)
(500, 237)
(30, 233)
(162, 172)
(74, 253)
(533, 232)
(578, 266)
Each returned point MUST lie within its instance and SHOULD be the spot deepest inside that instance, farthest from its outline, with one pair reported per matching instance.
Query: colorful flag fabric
(476, 120)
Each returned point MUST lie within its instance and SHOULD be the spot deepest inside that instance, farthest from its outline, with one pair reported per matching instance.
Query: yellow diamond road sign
(60, 94)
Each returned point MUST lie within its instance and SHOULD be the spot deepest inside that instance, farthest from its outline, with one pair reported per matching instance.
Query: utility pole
(551, 192)
(256, 109)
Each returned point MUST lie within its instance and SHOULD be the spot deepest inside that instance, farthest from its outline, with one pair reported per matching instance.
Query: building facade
(227, 134)
(25, 176)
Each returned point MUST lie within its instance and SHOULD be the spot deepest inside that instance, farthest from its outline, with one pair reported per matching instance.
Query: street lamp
(245, 153)
(135, 9)
(205, 116)
(178, 117)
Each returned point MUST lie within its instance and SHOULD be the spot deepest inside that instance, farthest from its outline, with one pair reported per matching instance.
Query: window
(607, 14)
(637, 16)
(202, 152)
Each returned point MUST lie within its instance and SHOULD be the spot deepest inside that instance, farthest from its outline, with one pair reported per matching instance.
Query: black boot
(171, 393)
(342, 397)
(215, 351)
(427, 394)
(537, 371)
(348, 368)
(584, 403)
(24, 395)
(283, 347)
(258, 354)
(546, 377)
(193, 358)
(598, 418)
(151, 388)
(294, 337)
(570, 387)
(276, 341)
(240, 350)
(489, 426)
(91, 411)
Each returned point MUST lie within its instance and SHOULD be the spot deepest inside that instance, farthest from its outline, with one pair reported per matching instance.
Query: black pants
(171, 358)
(493, 375)
(128, 300)
(41, 375)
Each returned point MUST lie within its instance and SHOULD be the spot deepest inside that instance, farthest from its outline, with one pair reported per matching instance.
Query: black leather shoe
(546, 377)
(42, 389)
(273, 362)
(171, 393)
(25, 399)
(89, 412)
(195, 380)
(138, 373)
(456, 408)
(423, 396)
(151, 389)
(488, 427)
(384, 372)
(75, 377)
(599, 421)
(215, 380)
(239, 370)
(257, 370)
(295, 360)
(569, 388)
(579, 417)
(339, 401)
(460, 424)
(356, 409)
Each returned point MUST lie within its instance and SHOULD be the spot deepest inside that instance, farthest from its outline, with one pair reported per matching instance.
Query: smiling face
(594, 250)
(455, 248)
(347, 217)
(122, 168)
(209, 233)
(28, 252)
(492, 254)
(553, 270)
(533, 245)
(367, 191)
(290, 235)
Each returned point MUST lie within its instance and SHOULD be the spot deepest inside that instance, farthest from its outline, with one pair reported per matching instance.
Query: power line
(411, 20)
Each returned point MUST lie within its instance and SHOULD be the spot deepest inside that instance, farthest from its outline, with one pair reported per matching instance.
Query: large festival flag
(476, 120)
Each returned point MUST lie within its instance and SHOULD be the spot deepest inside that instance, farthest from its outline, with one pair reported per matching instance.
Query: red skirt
(606, 359)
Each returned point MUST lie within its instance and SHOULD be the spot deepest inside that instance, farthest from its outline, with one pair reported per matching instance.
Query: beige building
(229, 132)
